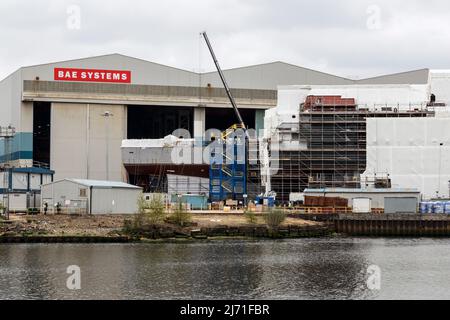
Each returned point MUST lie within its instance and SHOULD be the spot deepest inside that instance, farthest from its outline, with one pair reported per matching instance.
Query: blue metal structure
(228, 170)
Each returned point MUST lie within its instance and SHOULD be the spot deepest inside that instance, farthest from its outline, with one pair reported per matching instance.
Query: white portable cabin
(91, 196)
(362, 205)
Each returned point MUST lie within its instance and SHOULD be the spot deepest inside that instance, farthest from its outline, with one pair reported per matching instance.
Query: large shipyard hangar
(73, 115)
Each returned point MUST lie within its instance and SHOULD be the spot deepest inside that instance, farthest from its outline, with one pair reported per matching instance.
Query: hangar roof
(262, 76)
(409, 77)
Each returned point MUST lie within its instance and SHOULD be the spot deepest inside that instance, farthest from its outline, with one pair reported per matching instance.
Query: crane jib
(222, 77)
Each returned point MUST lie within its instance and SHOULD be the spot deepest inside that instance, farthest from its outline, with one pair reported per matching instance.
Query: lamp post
(107, 115)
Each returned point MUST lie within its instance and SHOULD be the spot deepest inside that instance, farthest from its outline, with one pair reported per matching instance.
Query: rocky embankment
(112, 228)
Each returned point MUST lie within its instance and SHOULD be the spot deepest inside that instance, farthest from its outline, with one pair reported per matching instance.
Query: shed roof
(102, 183)
(35, 170)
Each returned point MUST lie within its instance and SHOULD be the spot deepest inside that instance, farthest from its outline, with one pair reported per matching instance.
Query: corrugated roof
(265, 76)
(408, 77)
(104, 184)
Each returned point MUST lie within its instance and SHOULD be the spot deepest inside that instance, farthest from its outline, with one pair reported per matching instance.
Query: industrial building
(21, 187)
(73, 115)
(82, 196)
(322, 133)
(324, 144)
(118, 118)
(391, 200)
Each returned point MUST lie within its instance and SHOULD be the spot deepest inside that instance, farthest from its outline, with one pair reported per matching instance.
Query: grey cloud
(330, 36)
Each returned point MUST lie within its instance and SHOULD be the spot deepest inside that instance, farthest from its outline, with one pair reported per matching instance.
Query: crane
(268, 192)
(232, 176)
(224, 81)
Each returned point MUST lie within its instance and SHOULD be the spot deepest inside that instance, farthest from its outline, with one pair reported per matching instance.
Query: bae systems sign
(92, 75)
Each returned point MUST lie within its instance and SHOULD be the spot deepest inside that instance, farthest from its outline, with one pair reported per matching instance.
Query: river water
(321, 268)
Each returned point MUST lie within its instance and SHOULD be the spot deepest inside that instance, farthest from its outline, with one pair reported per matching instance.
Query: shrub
(250, 217)
(128, 226)
(142, 204)
(180, 215)
(274, 218)
(156, 210)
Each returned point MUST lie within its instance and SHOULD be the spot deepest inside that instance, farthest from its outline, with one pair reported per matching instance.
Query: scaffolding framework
(332, 140)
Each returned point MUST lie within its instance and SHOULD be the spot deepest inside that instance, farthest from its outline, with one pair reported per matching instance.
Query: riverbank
(110, 228)
(394, 225)
(204, 226)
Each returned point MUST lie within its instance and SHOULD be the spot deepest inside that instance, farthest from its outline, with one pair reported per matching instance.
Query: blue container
(268, 201)
(438, 207)
(430, 207)
(423, 207)
(195, 201)
(447, 207)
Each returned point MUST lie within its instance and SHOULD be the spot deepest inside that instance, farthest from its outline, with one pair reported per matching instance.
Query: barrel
(430, 207)
(423, 207)
(447, 207)
(438, 207)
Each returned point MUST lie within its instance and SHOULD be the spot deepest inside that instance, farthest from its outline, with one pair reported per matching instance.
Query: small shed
(91, 196)
(405, 199)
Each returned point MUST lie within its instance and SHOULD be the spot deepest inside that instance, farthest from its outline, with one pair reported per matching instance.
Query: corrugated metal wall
(114, 200)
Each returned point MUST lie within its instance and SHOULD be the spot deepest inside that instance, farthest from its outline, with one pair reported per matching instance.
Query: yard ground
(111, 225)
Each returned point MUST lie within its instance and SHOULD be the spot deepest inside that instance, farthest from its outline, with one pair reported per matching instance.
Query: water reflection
(289, 269)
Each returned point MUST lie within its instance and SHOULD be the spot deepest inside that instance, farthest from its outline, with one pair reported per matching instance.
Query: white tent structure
(415, 152)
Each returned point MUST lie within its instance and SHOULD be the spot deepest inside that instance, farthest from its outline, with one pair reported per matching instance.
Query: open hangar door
(223, 118)
(155, 122)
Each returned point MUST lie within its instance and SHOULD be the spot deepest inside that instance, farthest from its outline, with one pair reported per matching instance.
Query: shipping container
(193, 201)
(400, 205)
(362, 205)
(313, 201)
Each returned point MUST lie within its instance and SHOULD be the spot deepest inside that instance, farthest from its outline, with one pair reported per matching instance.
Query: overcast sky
(350, 38)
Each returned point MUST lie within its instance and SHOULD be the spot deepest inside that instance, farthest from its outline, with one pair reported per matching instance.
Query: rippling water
(325, 268)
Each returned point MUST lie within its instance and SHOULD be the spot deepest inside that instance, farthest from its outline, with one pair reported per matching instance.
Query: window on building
(83, 193)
